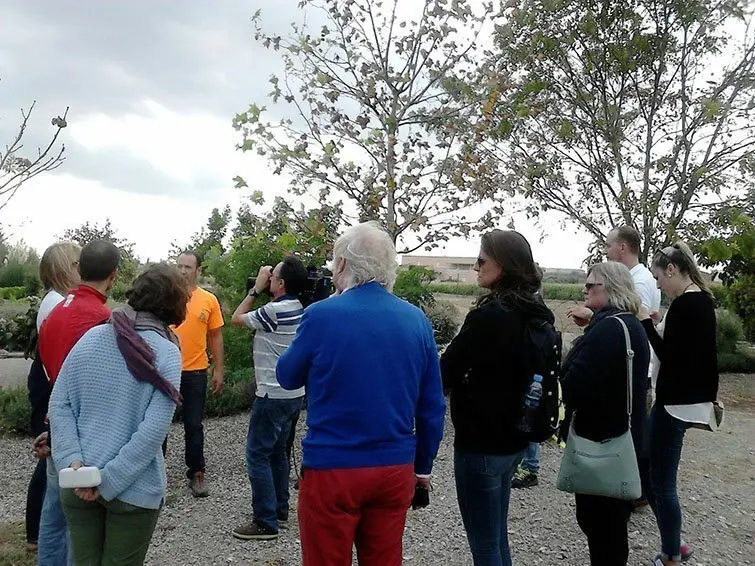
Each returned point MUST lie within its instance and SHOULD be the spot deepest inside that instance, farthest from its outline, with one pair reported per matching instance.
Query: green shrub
(735, 362)
(742, 301)
(563, 291)
(13, 293)
(413, 285)
(19, 332)
(729, 331)
(15, 411)
(235, 398)
(237, 343)
(442, 316)
(720, 295)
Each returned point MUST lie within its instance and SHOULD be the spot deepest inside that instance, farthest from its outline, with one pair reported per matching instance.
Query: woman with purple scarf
(111, 408)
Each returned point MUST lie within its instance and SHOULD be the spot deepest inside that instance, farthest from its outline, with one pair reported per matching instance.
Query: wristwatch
(253, 293)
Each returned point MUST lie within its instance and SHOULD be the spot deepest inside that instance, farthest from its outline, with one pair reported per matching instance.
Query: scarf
(139, 356)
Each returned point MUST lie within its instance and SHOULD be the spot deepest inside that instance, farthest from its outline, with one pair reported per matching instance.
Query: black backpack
(541, 349)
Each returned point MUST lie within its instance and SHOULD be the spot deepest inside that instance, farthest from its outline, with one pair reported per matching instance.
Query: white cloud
(181, 146)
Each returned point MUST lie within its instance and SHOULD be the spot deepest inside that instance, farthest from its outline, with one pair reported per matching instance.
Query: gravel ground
(716, 490)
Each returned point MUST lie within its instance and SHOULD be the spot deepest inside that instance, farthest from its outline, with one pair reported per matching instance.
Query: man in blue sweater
(375, 407)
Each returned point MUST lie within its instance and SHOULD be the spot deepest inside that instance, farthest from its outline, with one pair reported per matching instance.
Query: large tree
(129, 267)
(368, 114)
(211, 236)
(637, 112)
(18, 166)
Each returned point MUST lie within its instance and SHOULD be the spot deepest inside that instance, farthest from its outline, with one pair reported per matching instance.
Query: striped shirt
(275, 324)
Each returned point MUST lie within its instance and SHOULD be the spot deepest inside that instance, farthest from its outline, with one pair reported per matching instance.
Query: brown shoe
(198, 486)
(254, 531)
(639, 504)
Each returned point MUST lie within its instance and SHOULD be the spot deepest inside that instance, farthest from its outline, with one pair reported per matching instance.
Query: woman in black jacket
(484, 373)
(686, 388)
(594, 388)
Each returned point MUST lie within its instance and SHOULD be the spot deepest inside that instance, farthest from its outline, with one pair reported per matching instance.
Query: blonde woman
(59, 273)
(594, 386)
(686, 387)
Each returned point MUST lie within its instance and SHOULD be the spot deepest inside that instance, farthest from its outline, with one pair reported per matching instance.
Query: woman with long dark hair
(686, 387)
(483, 371)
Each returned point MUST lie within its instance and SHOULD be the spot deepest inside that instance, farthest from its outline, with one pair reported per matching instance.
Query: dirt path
(13, 372)
(715, 487)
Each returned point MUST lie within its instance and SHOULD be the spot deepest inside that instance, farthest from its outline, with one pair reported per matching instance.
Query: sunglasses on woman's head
(589, 286)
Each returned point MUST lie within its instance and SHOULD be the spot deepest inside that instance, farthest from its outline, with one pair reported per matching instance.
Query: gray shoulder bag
(607, 468)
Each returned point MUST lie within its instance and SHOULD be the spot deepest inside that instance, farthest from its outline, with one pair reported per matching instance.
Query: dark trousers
(108, 532)
(292, 437)
(194, 391)
(604, 522)
(483, 487)
(35, 496)
(666, 442)
(266, 461)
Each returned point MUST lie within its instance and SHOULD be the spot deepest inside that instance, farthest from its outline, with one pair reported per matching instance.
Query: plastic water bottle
(531, 403)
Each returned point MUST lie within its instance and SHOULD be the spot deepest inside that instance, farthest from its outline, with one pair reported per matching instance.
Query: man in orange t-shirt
(202, 327)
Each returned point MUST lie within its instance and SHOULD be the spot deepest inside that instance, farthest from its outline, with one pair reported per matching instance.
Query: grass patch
(13, 545)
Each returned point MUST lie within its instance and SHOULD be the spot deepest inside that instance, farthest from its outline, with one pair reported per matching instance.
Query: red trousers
(365, 507)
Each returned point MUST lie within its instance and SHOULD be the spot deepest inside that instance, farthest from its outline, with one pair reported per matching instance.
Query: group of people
(375, 391)
(103, 388)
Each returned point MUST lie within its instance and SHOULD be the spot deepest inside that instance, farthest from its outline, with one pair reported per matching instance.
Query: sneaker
(282, 523)
(686, 551)
(198, 486)
(524, 479)
(254, 531)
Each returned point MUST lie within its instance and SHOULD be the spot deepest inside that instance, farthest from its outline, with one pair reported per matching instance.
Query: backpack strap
(630, 357)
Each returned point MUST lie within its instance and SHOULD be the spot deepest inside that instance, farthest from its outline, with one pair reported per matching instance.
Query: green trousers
(107, 533)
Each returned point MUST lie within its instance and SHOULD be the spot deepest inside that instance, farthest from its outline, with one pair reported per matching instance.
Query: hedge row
(552, 291)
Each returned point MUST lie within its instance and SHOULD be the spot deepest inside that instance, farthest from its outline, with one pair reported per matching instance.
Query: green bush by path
(442, 316)
(15, 411)
(13, 293)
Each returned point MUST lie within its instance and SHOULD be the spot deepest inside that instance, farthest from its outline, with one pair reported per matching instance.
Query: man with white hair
(375, 406)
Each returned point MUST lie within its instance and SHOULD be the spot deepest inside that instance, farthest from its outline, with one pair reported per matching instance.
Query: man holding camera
(275, 409)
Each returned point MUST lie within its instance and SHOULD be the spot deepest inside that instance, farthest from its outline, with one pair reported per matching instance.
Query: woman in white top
(59, 273)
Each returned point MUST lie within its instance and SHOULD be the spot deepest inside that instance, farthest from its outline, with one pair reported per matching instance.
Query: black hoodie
(483, 371)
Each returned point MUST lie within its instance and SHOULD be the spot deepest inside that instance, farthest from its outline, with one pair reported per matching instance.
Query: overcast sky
(152, 88)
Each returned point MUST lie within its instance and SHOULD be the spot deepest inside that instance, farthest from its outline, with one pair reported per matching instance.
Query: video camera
(319, 286)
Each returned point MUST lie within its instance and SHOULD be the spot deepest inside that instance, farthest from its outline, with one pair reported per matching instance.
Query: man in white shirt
(623, 245)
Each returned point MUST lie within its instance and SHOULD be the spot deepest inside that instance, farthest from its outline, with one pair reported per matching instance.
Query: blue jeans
(483, 487)
(54, 540)
(666, 441)
(267, 460)
(531, 459)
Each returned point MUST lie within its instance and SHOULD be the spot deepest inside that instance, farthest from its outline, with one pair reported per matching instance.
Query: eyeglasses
(589, 286)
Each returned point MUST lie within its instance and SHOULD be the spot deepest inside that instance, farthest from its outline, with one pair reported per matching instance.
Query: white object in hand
(86, 476)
